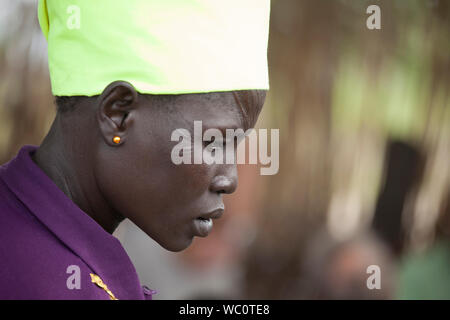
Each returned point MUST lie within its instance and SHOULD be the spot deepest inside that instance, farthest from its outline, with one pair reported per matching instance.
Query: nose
(226, 180)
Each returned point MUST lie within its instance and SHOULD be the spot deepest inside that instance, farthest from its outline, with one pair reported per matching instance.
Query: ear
(114, 113)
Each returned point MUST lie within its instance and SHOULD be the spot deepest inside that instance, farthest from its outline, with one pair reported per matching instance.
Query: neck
(67, 162)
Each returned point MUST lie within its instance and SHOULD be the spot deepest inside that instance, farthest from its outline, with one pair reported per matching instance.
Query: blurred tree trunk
(25, 101)
(302, 62)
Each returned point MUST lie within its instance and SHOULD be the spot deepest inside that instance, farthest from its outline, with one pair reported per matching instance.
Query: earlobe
(115, 109)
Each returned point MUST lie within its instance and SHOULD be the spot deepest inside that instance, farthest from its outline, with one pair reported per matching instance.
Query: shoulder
(35, 263)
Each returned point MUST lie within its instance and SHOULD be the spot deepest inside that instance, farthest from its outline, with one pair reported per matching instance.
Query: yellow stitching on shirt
(98, 281)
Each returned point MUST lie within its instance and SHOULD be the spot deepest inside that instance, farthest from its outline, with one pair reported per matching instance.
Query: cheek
(143, 184)
(164, 180)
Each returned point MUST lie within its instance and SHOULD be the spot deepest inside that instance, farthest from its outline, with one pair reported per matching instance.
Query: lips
(203, 224)
(215, 214)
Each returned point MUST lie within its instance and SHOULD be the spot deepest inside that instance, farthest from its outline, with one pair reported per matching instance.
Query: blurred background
(364, 178)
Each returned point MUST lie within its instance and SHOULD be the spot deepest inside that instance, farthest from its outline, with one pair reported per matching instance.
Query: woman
(126, 75)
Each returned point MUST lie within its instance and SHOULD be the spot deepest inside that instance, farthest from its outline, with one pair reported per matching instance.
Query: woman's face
(171, 203)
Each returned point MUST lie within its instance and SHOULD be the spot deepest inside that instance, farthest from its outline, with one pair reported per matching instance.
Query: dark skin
(136, 178)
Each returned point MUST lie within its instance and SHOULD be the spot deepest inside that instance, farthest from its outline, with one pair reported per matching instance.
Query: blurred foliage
(340, 93)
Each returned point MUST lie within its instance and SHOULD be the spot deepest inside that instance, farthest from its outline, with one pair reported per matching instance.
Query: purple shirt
(49, 247)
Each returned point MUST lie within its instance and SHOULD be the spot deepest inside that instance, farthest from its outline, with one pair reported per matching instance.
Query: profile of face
(171, 203)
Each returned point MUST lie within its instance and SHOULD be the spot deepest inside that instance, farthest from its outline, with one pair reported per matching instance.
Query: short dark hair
(65, 104)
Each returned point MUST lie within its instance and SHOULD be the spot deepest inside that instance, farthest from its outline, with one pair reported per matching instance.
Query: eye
(207, 142)
(214, 144)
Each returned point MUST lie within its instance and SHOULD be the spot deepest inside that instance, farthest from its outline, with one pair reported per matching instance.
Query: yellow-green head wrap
(159, 46)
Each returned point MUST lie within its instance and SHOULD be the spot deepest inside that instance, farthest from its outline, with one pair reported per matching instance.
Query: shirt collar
(101, 251)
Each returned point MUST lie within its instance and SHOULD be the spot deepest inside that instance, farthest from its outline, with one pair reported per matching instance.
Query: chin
(175, 246)
(168, 239)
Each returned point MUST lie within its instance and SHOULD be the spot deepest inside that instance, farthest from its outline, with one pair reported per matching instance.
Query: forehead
(250, 103)
(225, 109)
(213, 109)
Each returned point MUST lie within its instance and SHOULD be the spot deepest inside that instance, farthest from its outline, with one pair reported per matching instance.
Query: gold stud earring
(116, 139)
